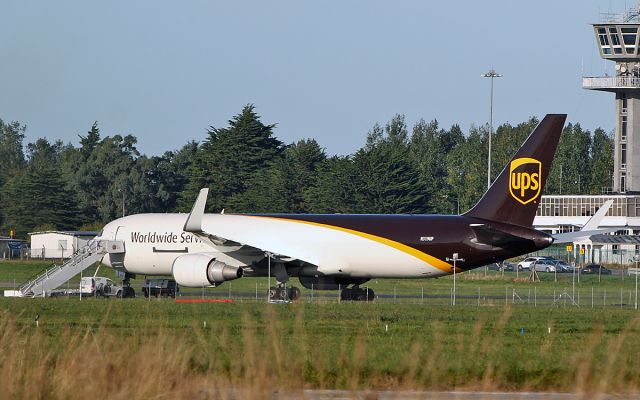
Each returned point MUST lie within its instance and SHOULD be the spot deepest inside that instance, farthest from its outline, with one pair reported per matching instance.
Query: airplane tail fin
(514, 196)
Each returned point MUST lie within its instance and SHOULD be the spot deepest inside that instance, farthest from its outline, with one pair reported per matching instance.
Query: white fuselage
(153, 241)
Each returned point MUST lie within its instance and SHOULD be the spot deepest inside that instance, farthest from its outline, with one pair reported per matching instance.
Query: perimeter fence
(527, 294)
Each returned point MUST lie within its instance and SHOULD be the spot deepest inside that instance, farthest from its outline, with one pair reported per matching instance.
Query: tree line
(400, 169)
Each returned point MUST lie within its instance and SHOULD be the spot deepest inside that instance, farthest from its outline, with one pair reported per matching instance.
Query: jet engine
(202, 269)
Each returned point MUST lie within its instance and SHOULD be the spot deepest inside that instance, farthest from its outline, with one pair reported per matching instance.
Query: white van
(99, 286)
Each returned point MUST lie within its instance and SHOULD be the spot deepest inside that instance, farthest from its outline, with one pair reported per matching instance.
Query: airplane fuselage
(358, 246)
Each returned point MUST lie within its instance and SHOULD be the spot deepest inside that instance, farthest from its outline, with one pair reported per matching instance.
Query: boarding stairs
(55, 276)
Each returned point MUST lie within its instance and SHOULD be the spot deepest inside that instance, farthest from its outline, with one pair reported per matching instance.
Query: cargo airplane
(332, 251)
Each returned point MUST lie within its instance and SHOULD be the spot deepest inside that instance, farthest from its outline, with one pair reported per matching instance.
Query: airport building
(58, 244)
(618, 40)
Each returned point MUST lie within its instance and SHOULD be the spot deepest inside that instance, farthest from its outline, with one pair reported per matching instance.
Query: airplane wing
(193, 225)
(589, 229)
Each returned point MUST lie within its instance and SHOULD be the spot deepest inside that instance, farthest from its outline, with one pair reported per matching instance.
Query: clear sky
(166, 71)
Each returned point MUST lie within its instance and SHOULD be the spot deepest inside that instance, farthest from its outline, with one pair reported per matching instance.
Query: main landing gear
(357, 293)
(281, 294)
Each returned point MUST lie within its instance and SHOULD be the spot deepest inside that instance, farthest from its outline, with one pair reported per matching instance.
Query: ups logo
(524, 179)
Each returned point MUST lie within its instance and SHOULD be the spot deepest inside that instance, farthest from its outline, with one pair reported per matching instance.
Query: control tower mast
(617, 37)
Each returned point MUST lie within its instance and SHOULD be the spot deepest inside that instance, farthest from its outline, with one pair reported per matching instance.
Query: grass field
(137, 348)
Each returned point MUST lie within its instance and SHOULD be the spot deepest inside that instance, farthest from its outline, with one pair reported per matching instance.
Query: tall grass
(250, 351)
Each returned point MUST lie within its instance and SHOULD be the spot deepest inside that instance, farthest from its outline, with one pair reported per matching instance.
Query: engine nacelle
(202, 269)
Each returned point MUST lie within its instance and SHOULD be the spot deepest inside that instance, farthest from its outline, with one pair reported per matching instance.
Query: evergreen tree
(429, 149)
(467, 170)
(90, 142)
(280, 187)
(334, 190)
(168, 176)
(230, 157)
(11, 153)
(571, 171)
(506, 142)
(387, 180)
(38, 197)
(602, 162)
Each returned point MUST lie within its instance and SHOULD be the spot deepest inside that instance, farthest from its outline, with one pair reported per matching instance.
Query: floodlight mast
(455, 258)
(491, 74)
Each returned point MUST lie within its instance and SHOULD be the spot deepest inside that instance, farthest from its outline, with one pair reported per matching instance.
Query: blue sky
(166, 71)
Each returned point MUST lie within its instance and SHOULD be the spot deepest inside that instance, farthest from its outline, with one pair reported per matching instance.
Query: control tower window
(623, 128)
(615, 41)
(623, 97)
(623, 155)
(604, 40)
(629, 39)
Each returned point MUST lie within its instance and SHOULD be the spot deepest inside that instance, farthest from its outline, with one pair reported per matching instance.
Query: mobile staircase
(55, 276)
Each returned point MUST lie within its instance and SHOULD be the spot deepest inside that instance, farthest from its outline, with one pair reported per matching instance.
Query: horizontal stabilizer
(492, 237)
(572, 236)
(589, 229)
(594, 222)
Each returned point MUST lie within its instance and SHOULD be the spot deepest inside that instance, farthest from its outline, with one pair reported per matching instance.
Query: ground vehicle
(527, 262)
(101, 286)
(545, 265)
(595, 269)
(562, 266)
(160, 287)
(494, 267)
(507, 266)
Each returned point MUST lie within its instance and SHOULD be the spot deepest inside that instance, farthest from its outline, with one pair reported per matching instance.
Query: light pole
(491, 74)
(636, 259)
(269, 275)
(454, 259)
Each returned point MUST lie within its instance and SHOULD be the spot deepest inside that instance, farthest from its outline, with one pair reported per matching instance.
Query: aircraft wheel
(129, 292)
(277, 293)
(362, 294)
(346, 295)
(369, 294)
(547, 270)
(293, 293)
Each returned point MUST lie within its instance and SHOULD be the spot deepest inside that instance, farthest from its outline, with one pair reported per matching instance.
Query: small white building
(58, 244)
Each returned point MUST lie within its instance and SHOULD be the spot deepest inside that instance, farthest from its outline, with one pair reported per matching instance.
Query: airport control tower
(617, 38)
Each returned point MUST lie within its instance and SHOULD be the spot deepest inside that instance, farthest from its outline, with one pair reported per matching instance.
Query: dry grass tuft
(271, 349)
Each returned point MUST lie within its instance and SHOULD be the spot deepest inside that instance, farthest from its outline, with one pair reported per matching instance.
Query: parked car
(507, 266)
(160, 287)
(593, 269)
(545, 265)
(562, 266)
(527, 262)
(493, 267)
(101, 286)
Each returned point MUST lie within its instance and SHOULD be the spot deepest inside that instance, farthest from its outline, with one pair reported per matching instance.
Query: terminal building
(618, 40)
